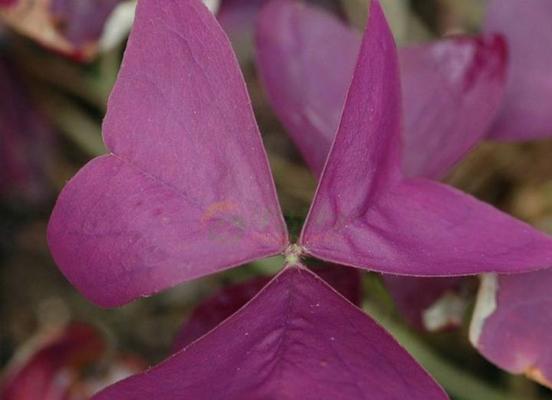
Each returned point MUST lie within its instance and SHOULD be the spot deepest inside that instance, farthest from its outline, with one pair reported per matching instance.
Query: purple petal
(452, 88)
(297, 339)
(526, 111)
(366, 215)
(26, 142)
(186, 190)
(431, 304)
(230, 299)
(512, 323)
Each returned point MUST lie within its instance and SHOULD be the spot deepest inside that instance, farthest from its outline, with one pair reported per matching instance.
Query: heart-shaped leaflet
(296, 339)
(186, 190)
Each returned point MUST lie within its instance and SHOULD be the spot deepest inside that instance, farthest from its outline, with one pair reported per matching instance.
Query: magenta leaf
(526, 112)
(186, 190)
(512, 323)
(297, 339)
(230, 299)
(365, 214)
(451, 88)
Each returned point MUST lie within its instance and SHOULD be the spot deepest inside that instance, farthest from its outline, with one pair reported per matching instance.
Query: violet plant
(186, 191)
(457, 91)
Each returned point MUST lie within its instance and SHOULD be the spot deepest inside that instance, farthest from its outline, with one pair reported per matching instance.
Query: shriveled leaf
(186, 190)
(431, 304)
(526, 111)
(50, 372)
(297, 339)
(366, 214)
(512, 323)
(230, 299)
(68, 26)
(451, 88)
(26, 142)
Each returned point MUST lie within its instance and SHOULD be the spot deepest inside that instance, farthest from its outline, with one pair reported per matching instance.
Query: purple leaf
(431, 304)
(26, 142)
(526, 111)
(512, 323)
(230, 299)
(297, 339)
(365, 214)
(451, 88)
(186, 190)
